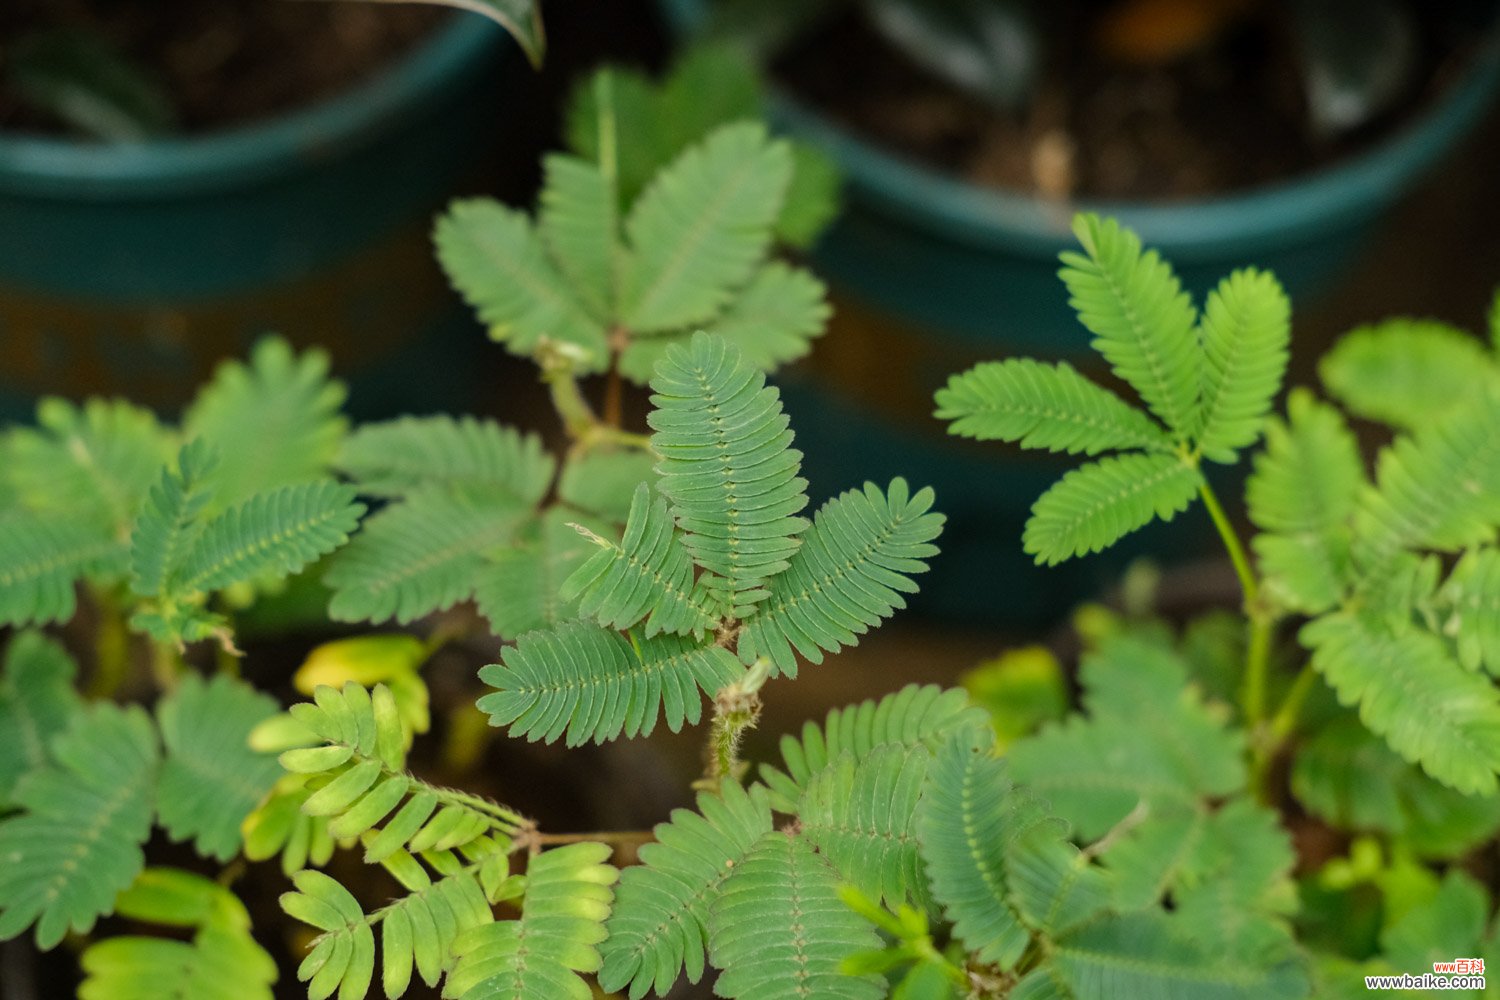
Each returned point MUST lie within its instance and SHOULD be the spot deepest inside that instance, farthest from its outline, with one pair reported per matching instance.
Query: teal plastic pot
(131, 269)
(931, 275)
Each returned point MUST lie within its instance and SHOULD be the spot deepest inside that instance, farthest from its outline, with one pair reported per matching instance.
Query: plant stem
(1285, 719)
(111, 648)
(1258, 646)
(618, 837)
(1242, 569)
(736, 709)
(166, 665)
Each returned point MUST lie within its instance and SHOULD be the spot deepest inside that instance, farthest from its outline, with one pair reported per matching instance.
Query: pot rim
(260, 151)
(1298, 208)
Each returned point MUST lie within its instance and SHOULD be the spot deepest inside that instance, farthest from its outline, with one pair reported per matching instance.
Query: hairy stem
(736, 709)
(111, 647)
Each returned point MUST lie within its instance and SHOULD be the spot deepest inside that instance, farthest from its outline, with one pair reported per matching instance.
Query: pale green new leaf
(342, 959)
(578, 220)
(37, 701)
(1302, 494)
(210, 778)
(648, 577)
(518, 587)
(1245, 333)
(1449, 925)
(591, 683)
(728, 468)
(1347, 776)
(410, 454)
(1437, 489)
(854, 565)
(42, 558)
(78, 841)
(1406, 372)
(923, 716)
(272, 422)
(271, 534)
(700, 229)
(92, 463)
(860, 813)
(1471, 598)
(1142, 321)
(659, 927)
(1044, 406)
(1411, 691)
(169, 524)
(496, 262)
(541, 955)
(1095, 505)
(779, 929)
(421, 555)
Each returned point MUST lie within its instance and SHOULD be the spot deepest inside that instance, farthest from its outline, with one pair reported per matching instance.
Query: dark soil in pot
(219, 64)
(1226, 116)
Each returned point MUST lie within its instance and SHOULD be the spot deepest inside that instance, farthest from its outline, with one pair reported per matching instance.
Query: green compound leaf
(579, 222)
(421, 555)
(1302, 494)
(702, 226)
(1402, 682)
(518, 587)
(540, 956)
(603, 482)
(997, 861)
(728, 468)
(78, 842)
(1406, 372)
(273, 422)
(860, 813)
(849, 575)
(1142, 321)
(1245, 333)
(1097, 504)
(37, 701)
(1044, 406)
(496, 262)
(92, 463)
(779, 930)
(41, 558)
(410, 454)
(271, 534)
(169, 525)
(221, 962)
(1151, 955)
(659, 927)
(1348, 776)
(647, 578)
(923, 715)
(592, 684)
(210, 778)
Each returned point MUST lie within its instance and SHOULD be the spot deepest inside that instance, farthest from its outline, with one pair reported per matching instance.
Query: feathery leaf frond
(1302, 494)
(659, 927)
(1044, 406)
(1142, 321)
(78, 843)
(1411, 691)
(579, 222)
(210, 777)
(1406, 372)
(540, 956)
(419, 556)
(849, 574)
(591, 683)
(411, 454)
(168, 525)
(603, 482)
(728, 468)
(860, 813)
(42, 558)
(648, 577)
(37, 701)
(1471, 603)
(779, 929)
(273, 422)
(518, 587)
(1245, 333)
(1095, 505)
(701, 227)
(493, 257)
(914, 716)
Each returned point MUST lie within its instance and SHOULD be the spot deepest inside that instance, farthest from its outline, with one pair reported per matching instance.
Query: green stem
(1237, 556)
(111, 648)
(1285, 719)
(1258, 646)
(166, 665)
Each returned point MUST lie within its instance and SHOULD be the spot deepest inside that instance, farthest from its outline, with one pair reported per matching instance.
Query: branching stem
(1258, 646)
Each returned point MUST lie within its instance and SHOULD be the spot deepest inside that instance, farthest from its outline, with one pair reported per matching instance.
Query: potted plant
(138, 250)
(945, 257)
